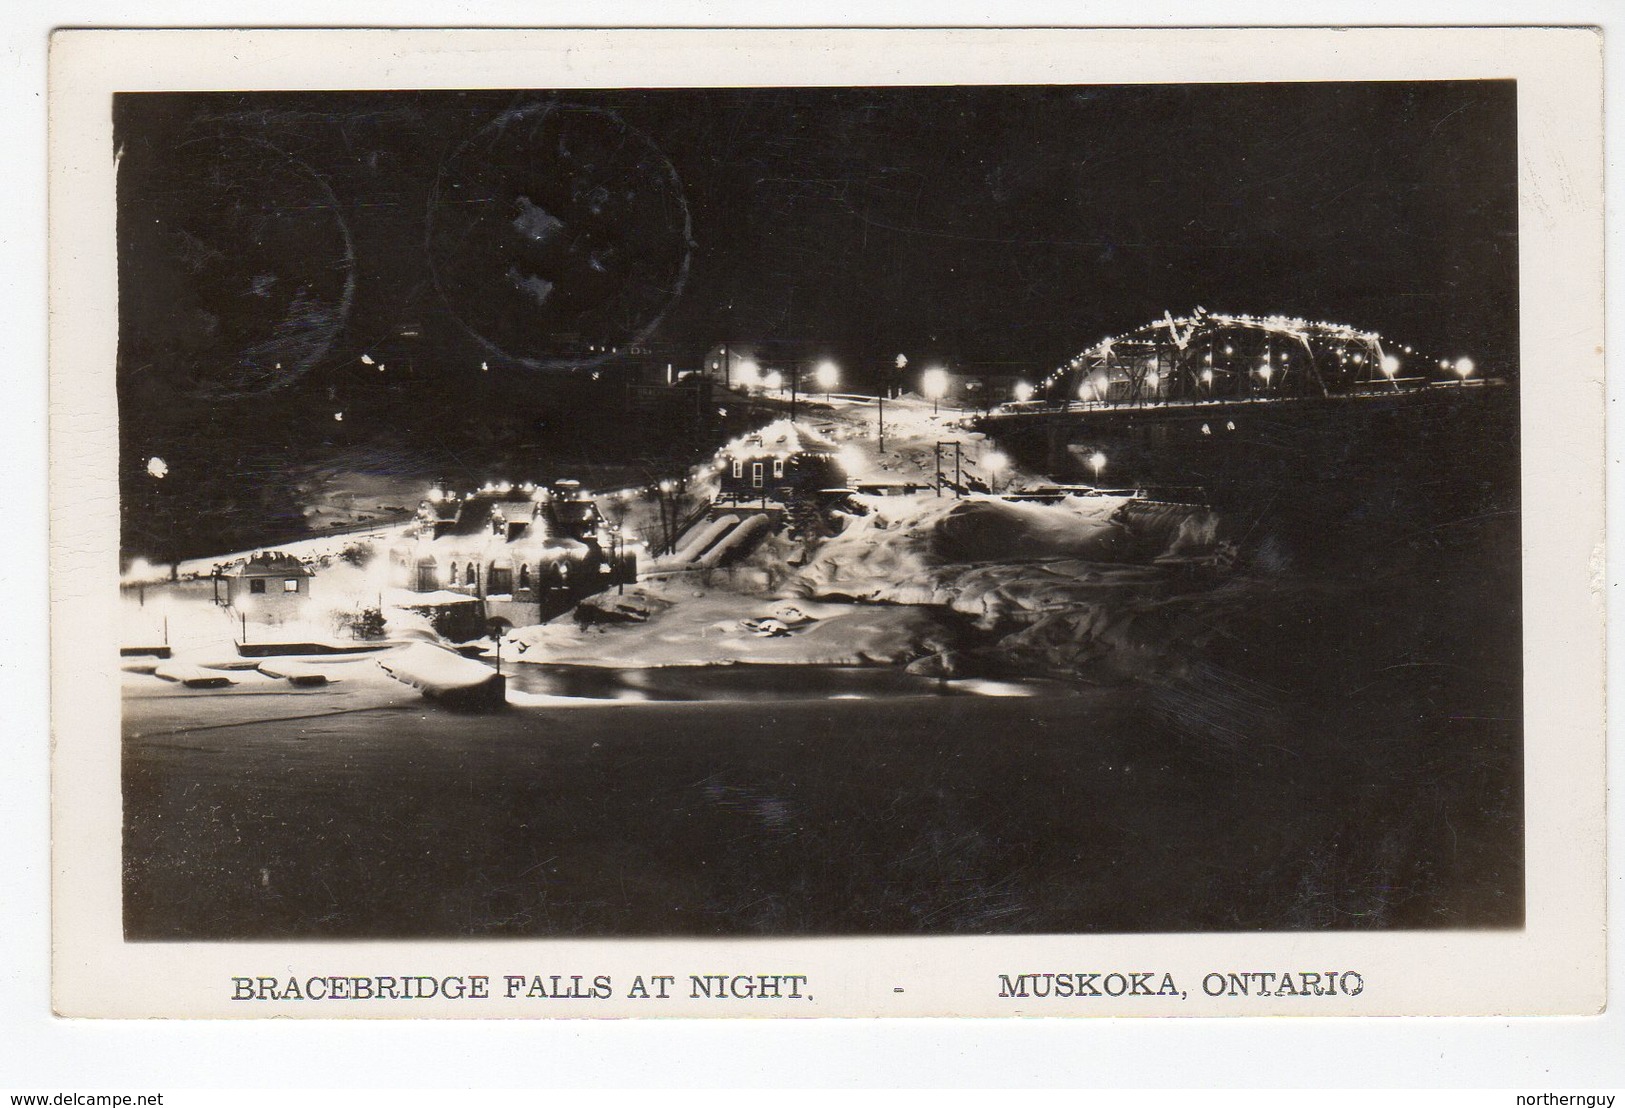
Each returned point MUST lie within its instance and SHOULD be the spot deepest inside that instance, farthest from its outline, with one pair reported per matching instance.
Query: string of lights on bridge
(1293, 328)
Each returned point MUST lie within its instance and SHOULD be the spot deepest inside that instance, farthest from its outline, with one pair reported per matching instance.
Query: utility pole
(880, 423)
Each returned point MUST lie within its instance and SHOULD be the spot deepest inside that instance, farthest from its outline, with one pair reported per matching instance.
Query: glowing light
(339, 416)
(1152, 380)
(366, 359)
(1207, 377)
(1390, 364)
(157, 467)
(1266, 371)
(1464, 368)
(749, 372)
(437, 494)
(934, 383)
(828, 375)
(902, 361)
(995, 461)
(666, 486)
(773, 380)
(1023, 392)
(1097, 462)
(485, 367)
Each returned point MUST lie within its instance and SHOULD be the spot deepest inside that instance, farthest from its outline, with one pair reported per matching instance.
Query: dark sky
(269, 240)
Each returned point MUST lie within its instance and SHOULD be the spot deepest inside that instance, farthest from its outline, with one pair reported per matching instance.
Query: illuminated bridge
(1204, 356)
(1229, 402)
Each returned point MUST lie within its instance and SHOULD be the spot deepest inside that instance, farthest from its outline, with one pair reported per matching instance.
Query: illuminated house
(269, 587)
(509, 556)
(782, 462)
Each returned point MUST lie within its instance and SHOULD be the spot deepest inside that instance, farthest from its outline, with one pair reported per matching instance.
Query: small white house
(269, 587)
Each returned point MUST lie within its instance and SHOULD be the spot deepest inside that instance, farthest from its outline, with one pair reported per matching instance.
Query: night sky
(269, 241)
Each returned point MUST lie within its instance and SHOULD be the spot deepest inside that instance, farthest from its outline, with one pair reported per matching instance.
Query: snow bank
(444, 675)
(191, 676)
(294, 672)
(916, 549)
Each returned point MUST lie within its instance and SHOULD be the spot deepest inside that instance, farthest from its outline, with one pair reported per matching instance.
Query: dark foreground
(1115, 810)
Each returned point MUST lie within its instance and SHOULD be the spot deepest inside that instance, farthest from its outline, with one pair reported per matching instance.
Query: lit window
(290, 584)
(778, 467)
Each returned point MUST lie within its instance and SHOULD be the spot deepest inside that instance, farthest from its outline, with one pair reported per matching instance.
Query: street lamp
(828, 376)
(1097, 462)
(1464, 369)
(1023, 392)
(1390, 366)
(934, 383)
(996, 462)
(158, 469)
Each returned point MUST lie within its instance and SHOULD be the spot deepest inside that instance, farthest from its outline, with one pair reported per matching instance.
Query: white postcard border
(1553, 965)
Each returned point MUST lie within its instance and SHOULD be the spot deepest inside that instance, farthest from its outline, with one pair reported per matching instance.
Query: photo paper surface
(827, 523)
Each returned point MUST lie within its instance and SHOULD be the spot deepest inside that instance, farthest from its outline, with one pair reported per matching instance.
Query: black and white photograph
(846, 511)
(809, 523)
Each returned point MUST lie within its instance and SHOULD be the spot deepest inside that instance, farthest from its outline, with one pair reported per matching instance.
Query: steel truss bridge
(1205, 357)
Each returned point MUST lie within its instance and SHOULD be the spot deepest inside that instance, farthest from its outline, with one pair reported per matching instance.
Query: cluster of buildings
(509, 556)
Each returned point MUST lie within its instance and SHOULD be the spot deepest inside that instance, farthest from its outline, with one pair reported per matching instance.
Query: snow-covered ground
(944, 584)
(306, 550)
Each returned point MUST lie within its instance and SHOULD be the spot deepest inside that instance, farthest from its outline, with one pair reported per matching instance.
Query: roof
(782, 438)
(516, 512)
(272, 563)
(475, 516)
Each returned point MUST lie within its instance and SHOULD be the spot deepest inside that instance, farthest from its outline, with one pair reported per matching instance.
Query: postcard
(827, 523)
